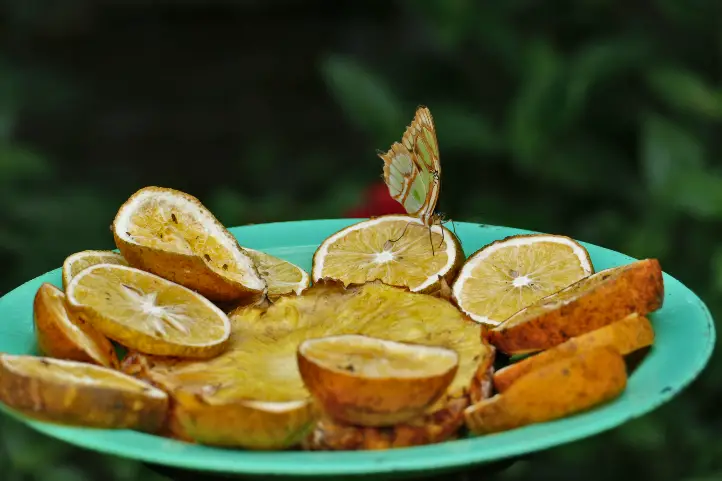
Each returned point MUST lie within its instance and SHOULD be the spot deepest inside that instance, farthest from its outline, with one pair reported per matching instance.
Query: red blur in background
(377, 201)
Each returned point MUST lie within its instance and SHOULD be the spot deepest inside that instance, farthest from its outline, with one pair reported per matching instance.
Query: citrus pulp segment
(282, 277)
(83, 259)
(171, 234)
(395, 249)
(147, 313)
(505, 276)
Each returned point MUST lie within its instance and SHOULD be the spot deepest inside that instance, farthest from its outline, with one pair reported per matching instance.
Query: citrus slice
(171, 234)
(79, 394)
(147, 313)
(627, 335)
(83, 259)
(260, 363)
(60, 336)
(505, 276)
(282, 277)
(396, 249)
(368, 381)
(567, 386)
(589, 304)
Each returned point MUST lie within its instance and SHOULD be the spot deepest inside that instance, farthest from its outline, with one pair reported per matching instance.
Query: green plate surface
(685, 337)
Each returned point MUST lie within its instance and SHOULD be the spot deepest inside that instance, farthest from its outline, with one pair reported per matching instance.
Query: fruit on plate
(561, 388)
(171, 234)
(368, 381)
(282, 277)
(589, 304)
(80, 260)
(147, 313)
(396, 249)
(434, 427)
(260, 363)
(79, 394)
(60, 336)
(627, 335)
(265, 425)
(509, 274)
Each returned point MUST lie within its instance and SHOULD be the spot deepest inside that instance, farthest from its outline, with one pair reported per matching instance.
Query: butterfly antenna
(402, 234)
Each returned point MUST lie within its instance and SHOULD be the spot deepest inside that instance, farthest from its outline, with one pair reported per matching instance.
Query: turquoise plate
(685, 337)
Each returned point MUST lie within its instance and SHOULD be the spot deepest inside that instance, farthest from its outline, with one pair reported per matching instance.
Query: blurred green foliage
(598, 119)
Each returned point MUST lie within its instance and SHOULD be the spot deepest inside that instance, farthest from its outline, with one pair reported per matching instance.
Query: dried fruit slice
(368, 381)
(282, 277)
(395, 249)
(567, 386)
(171, 234)
(60, 336)
(84, 259)
(260, 363)
(79, 394)
(147, 313)
(627, 335)
(435, 427)
(265, 425)
(589, 304)
(507, 275)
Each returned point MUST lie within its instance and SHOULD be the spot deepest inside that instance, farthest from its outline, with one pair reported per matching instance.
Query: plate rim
(459, 453)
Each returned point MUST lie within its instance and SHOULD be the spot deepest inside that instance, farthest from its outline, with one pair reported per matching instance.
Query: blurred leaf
(716, 267)
(686, 91)
(667, 149)
(465, 130)
(597, 62)
(20, 164)
(365, 98)
(529, 120)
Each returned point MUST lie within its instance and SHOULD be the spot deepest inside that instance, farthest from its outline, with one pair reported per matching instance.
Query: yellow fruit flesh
(260, 362)
(64, 372)
(281, 277)
(82, 260)
(368, 254)
(514, 277)
(164, 225)
(148, 304)
(377, 358)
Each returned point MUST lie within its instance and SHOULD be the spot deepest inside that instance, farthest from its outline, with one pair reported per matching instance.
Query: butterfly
(412, 170)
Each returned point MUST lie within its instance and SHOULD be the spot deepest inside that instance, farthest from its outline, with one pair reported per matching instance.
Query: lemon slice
(62, 337)
(84, 259)
(395, 249)
(374, 382)
(282, 277)
(79, 394)
(147, 313)
(508, 275)
(171, 234)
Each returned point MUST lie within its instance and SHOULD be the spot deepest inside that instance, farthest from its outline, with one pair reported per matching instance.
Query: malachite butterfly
(412, 170)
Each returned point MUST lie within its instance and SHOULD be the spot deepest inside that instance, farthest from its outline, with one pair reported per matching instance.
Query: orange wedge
(79, 394)
(627, 335)
(171, 234)
(567, 386)
(282, 277)
(368, 381)
(62, 337)
(589, 304)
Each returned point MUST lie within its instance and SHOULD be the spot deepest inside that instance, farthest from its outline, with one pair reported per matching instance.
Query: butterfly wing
(412, 170)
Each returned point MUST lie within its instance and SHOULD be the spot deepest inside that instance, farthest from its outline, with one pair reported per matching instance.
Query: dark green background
(598, 119)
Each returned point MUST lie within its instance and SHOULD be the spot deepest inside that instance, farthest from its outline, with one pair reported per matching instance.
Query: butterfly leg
(402, 234)
(431, 241)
